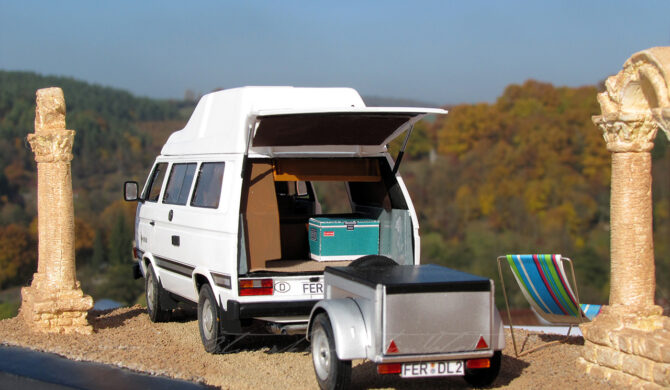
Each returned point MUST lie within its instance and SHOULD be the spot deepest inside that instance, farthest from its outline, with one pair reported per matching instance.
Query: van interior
(280, 195)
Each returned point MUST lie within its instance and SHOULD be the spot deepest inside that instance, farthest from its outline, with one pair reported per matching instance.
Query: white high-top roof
(222, 121)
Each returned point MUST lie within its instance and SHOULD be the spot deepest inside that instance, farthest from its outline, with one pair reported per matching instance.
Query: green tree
(120, 241)
(99, 253)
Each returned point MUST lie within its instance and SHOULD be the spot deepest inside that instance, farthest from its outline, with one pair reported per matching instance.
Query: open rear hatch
(289, 136)
(350, 128)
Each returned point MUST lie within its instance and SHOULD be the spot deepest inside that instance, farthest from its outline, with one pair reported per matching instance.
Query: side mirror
(130, 191)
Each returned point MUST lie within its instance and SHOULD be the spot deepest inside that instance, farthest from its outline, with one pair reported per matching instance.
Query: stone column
(54, 302)
(629, 342)
(630, 138)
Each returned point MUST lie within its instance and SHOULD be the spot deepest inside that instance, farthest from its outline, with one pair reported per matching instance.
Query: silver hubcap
(150, 292)
(207, 319)
(320, 353)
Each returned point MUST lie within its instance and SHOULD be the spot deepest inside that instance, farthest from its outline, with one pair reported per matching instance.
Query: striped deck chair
(544, 284)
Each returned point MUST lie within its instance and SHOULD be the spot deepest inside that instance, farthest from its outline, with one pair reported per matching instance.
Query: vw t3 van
(224, 217)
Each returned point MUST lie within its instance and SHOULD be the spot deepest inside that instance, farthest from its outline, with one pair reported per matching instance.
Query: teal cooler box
(333, 239)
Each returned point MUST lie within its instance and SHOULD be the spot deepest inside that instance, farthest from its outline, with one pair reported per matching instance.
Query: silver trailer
(411, 320)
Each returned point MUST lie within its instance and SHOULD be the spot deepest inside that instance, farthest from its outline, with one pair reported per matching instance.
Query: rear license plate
(312, 288)
(299, 287)
(426, 369)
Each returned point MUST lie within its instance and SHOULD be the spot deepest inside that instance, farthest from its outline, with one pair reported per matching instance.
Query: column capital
(627, 132)
(52, 145)
(662, 116)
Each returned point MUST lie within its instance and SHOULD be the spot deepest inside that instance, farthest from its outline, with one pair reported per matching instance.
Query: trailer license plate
(425, 369)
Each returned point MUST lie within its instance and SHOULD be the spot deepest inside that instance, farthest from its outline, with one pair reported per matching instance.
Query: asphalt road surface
(22, 368)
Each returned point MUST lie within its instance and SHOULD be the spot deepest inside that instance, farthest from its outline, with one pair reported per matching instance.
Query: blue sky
(433, 51)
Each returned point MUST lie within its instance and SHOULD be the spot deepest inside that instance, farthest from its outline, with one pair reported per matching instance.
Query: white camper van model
(230, 216)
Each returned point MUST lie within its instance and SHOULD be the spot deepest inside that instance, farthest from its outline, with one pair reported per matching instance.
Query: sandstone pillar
(629, 342)
(630, 139)
(54, 302)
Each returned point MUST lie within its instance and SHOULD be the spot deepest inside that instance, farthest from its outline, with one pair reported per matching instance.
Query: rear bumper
(269, 309)
(236, 311)
(433, 357)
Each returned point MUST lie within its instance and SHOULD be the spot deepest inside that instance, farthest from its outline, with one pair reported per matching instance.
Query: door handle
(175, 240)
(170, 216)
(152, 223)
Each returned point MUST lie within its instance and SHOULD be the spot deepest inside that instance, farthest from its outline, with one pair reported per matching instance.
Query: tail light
(136, 253)
(249, 287)
(478, 363)
(388, 368)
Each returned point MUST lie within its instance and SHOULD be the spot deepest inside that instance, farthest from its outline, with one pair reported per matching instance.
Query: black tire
(331, 372)
(209, 321)
(372, 261)
(483, 377)
(154, 291)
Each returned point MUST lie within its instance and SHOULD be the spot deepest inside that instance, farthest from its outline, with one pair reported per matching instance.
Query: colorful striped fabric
(591, 311)
(544, 283)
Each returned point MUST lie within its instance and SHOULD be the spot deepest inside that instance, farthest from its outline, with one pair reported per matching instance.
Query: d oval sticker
(282, 287)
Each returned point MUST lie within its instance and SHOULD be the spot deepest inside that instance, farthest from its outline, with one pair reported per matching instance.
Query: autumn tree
(18, 255)
(528, 173)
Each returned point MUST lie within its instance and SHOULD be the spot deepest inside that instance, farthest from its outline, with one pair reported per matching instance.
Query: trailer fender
(497, 332)
(351, 337)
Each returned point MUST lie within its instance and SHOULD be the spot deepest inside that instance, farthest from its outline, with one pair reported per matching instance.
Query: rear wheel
(154, 291)
(373, 261)
(331, 372)
(481, 377)
(209, 321)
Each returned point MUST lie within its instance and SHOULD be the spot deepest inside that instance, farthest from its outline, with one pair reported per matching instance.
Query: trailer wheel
(373, 261)
(154, 291)
(209, 321)
(331, 372)
(482, 377)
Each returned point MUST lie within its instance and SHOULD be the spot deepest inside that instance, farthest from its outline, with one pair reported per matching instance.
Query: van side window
(153, 189)
(179, 183)
(208, 185)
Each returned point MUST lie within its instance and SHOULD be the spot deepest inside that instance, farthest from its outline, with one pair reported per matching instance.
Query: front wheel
(153, 292)
(482, 377)
(209, 321)
(331, 372)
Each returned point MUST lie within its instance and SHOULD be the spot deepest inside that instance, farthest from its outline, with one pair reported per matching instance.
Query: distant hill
(18, 88)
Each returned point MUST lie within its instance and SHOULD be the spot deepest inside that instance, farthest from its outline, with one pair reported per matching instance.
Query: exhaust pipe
(288, 329)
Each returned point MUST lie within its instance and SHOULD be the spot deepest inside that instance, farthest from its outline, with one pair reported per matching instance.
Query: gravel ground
(125, 337)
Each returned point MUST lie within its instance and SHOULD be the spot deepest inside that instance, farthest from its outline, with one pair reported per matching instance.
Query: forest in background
(528, 173)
